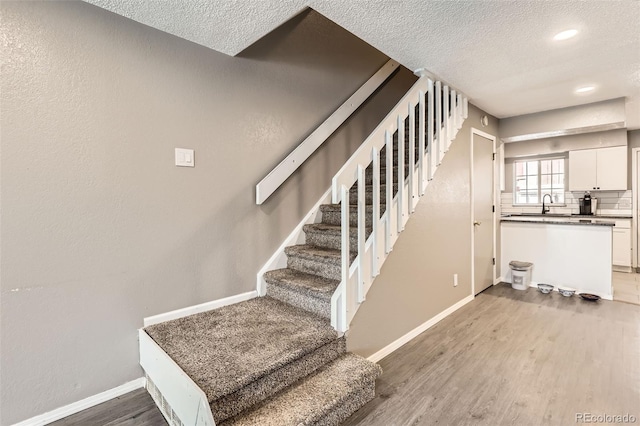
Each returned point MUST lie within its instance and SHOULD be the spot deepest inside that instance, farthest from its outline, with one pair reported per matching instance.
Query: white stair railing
(441, 113)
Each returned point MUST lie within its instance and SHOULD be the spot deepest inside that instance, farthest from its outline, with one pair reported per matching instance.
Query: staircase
(267, 362)
(281, 359)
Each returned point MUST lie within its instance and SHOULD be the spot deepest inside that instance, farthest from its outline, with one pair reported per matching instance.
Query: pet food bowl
(566, 292)
(545, 288)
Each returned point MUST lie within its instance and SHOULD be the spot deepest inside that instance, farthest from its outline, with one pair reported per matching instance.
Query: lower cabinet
(622, 243)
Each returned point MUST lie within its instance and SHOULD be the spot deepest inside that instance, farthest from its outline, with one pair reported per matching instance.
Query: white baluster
(430, 140)
(361, 232)
(454, 117)
(422, 167)
(345, 235)
(412, 156)
(389, 192)
(375, 154)
(444, 146)
(401, 195)
(438, 98)
(459, 105)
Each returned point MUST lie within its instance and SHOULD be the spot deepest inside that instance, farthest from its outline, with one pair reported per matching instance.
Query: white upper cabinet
(582, 170)
(612, 168)
(603, 169)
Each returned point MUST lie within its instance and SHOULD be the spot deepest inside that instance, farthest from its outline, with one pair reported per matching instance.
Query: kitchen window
(535, 178)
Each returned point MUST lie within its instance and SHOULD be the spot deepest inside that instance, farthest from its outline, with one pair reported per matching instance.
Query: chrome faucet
(545, 209)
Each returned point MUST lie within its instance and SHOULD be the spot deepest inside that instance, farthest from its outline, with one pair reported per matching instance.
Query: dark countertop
(567, 220)
(567, 216)
(594, 216)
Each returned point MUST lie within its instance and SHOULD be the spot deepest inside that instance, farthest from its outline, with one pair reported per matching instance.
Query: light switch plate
(185, 157)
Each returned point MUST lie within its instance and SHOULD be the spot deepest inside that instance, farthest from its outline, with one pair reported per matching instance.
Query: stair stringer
(430, 98)
(179, 398)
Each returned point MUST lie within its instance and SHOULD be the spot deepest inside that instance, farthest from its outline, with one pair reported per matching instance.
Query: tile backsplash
(609, 203)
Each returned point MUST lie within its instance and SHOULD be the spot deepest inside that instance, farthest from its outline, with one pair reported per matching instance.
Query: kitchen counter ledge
(559, 220)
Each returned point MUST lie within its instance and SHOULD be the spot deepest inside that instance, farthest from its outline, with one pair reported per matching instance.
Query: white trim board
(279, 258)
(635, 206)
(393, 346)
(83, 404)
(196, 309)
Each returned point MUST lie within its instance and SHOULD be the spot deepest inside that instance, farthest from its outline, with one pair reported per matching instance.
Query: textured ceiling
(500, 53)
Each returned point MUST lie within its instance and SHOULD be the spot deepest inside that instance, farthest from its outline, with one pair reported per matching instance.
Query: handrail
(290, 164)
(437, 104)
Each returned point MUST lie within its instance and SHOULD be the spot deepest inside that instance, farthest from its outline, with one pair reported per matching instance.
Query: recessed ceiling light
(585, 89)
(565, 35)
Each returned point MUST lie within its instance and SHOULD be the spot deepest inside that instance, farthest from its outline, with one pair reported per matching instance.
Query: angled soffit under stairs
(501, 54)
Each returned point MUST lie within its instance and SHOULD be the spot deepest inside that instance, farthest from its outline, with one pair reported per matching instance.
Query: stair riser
(335, 218)
(259, 390)
(308, 303)
(331, 240)
(383, 158)
(364, 393)
(368, 193)
(368, 176)
(326, 269)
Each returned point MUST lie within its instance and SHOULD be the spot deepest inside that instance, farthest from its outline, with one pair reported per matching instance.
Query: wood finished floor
(134, 408)
(626, 287)
(507, 358)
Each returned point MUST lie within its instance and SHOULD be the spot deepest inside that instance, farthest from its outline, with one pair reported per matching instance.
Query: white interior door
(483, 211)
(636, 174)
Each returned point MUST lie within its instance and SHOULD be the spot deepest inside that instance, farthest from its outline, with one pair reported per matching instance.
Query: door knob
(476, 223)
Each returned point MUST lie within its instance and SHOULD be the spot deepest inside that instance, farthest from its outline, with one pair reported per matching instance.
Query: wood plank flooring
(626, 287)
(514, 358)
(507, 358)
(134, 408)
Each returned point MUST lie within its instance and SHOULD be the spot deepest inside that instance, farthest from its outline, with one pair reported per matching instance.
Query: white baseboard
(279, 258)
(534, 284)
(418, 330)
(196, 309)
(83, 404)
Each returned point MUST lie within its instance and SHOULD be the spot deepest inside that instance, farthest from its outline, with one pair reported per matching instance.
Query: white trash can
(520, 274)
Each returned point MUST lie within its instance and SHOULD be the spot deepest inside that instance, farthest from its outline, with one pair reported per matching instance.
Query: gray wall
(603, 115)
(99, 228)
(566, 143)
(416, 281)
(633, 139)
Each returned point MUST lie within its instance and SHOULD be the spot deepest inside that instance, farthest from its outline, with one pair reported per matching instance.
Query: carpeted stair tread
(314, 285)
(337, 208)
(307, 291)
(368, 193)
(330, 236)
(312, 252)
(321, 261)
(325, 398)
(225, 349)
(332, 214)
(330, 229)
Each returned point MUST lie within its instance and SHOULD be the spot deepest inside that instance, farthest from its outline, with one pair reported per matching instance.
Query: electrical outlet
(455, 280)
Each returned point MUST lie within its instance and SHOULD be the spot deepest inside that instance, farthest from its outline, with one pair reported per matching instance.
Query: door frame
(473, 133)
(635, 206)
